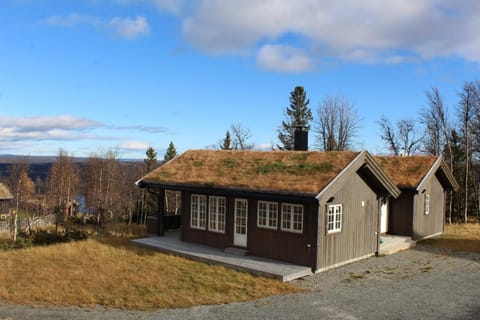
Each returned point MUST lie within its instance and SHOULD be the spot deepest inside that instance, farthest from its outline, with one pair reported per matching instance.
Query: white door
(384, 217)
(240, 227)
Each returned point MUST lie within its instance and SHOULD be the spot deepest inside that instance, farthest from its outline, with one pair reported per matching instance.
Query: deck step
(395, 244)
(237, 251)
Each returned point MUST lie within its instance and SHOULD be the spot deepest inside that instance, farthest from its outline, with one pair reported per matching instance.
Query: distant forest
(100, 188)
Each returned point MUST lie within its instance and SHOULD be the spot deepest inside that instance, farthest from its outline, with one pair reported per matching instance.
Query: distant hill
(39, 165)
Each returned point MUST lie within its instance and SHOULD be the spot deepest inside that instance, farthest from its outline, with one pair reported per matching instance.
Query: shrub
(75, 235)
(43, 237)
(21, 243)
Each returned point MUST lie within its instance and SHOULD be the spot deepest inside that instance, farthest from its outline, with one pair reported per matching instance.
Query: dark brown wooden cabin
(318, 209)
(5, 201)
(419, 212)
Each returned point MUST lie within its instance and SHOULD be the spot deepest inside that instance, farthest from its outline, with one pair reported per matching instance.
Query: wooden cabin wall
(281, 245)
(358, 236)
(425, 225)
(213, 239)
(276, 244)
(400, 214)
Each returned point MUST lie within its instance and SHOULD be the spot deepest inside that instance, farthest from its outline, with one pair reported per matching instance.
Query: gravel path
(420, 283)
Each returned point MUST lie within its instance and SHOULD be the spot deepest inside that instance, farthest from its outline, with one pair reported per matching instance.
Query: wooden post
(379, 217)
(160, 213)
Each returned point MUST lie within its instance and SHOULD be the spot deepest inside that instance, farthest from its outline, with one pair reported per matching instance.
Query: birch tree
(336, 125)
(467, 112)
(23, 190)
(63, 186)
(240, 137)
(402, 139)
(438, 134)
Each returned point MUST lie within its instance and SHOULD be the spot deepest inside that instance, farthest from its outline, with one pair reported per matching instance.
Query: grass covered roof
(406, 172)
(4, 192)
(284, 171)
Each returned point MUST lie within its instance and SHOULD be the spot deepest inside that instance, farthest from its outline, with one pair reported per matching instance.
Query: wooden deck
(171, 243)
(392, 243)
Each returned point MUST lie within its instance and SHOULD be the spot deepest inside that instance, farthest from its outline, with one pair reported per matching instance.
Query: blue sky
(91, 75)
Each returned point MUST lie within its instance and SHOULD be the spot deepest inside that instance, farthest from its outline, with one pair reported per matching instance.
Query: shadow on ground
(466, 249)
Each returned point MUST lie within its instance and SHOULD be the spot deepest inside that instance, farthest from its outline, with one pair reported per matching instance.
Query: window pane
(286, 216)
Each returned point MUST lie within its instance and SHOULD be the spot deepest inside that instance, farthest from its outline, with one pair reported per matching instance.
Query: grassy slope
(114, 273)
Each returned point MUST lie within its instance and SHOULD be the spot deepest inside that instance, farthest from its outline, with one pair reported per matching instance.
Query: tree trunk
(15, 226)
(466, 183)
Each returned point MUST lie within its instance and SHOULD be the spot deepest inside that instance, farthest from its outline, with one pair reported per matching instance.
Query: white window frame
(289, 216)
(198, 211)
(271, 215)
(334, 225)
(216, 213)
(426, 204)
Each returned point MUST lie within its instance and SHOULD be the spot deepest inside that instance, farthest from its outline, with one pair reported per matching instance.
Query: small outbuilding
(316, 209)
(419, 212)
(5, 201)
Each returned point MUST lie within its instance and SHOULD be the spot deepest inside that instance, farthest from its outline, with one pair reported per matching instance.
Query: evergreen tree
(151, 160)
(297, 114)
(226, 143)
(170, 153)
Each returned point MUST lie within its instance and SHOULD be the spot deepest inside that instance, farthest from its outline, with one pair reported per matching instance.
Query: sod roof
(284, 171)
(406, 172)
(4, 192)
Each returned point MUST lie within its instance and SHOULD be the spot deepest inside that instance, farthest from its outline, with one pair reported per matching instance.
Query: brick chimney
(300, 138)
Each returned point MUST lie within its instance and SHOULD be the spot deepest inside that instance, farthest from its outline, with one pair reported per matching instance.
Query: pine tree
(297, 114)
(170, 153)
(151, 160)
(226, 142)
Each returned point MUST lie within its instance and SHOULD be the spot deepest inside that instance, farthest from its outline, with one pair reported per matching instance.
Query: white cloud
(172, 6)
(133, 145)
(264, 147)
(66, 122)
(126, 28)
(64, 127)
(283, 59)
(72, 20)
(366, 31)
(141, 128)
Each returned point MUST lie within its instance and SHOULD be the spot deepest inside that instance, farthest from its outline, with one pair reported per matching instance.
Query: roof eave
(376, 170)
(380, 174)
(153, 184)
(440, 164)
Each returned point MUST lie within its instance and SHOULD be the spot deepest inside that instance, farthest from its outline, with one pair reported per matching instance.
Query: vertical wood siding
(359, 224)
(286, 246)
(425, 225)
(400, 214)
(280, 245)
(210, 238)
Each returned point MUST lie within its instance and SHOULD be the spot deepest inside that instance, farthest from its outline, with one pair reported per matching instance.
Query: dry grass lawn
(461, 236)
(114, 273)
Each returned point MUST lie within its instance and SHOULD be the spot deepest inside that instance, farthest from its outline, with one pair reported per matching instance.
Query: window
(334, 218)
(292, 217)
(241, 207)
(267, 214)
(216, 214)
(427, 203)
(198, 212)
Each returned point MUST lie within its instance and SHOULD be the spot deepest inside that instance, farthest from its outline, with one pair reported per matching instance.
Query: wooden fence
(37, 222)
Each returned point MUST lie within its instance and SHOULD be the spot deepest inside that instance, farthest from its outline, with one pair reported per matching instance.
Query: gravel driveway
(420, 283)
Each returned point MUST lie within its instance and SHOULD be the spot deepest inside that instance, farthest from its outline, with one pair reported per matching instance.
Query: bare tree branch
(337, 124)
(241, 135)
(388, 135)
